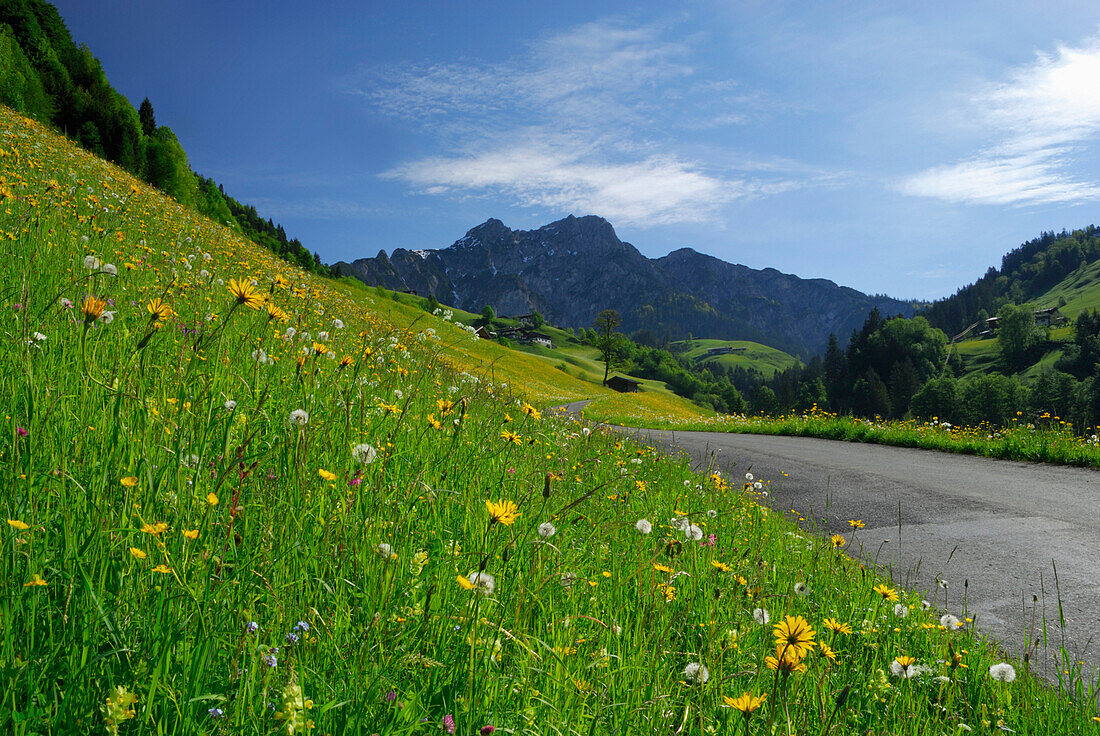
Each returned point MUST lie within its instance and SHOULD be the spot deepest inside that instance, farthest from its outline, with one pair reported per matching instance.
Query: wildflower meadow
(238, 499)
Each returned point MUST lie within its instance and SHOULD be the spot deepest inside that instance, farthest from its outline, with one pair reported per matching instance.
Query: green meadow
(243, 499)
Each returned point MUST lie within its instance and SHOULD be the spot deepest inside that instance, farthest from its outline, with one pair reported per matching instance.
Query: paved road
(995, 530)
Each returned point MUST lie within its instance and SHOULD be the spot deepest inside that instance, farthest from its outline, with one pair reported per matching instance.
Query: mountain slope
(572, 269)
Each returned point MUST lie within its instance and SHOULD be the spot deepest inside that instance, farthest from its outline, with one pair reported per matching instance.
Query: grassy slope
(159, 501)
(755, 357)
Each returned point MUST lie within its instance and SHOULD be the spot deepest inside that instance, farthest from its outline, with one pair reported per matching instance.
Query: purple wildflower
(252, 627)
(291, 638)
(449, 723)
(390, 696)
(216, 713)
(21, 431)
(301, 626)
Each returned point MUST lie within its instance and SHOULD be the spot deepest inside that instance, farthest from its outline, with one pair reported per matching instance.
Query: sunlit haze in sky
(897, 148)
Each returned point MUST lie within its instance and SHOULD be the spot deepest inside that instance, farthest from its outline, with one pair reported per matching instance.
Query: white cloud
(655, 190)
(587, 121)
(1043, 116)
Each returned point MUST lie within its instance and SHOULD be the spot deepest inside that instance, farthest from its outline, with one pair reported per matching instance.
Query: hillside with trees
(45, 75)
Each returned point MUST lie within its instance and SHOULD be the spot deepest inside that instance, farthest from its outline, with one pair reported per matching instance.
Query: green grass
(750, 355)
(186, 552)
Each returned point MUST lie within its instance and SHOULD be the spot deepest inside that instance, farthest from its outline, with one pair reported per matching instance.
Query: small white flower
(384, 550)
(547, 530)
(643, 526)
(1002, 672)
(901, 610)
(230, 405)
(942, 584)
(696, 674)
(299, 417)
(712, 514)
(586, 431)
(39, 337)
(693, 532)
(91, 262)
(483, 581)
(801, 589)
(761, 616)
(363, 454)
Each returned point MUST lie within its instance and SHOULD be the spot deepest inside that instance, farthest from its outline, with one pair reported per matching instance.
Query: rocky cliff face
(572, 269)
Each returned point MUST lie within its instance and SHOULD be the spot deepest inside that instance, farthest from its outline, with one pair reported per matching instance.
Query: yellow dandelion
(138, 553)
(17, 524)
(129, 481)
(838, 541)
(162, 569)
(505, 512)
(326, 474)
(36, 580)
(212, 498)
(92, 309)
(794, 632)
(191, 533)
(886, 592)
(159, 311)
(747, 703)
(836, 626)
(465, 583)
(245, 293)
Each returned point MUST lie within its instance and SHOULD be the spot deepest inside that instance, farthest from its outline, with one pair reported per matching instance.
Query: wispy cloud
(1042, 117)
(589, 121)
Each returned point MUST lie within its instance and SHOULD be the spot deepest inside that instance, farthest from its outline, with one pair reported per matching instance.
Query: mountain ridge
(573, 268)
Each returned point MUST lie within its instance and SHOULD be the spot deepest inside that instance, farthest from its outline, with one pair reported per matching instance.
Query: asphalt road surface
(1010, 539)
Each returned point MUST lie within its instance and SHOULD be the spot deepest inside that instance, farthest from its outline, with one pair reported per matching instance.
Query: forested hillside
(1026, 273)
(45, 75)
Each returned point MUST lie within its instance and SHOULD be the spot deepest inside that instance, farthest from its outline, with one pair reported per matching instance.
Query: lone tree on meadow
(610, 343)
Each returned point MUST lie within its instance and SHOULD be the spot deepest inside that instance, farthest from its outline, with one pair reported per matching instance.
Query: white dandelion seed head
(91, 262)
(483, 581)
(801, 589)
(586, 431)
(925, 605)
(761, 616)
(106, 318)
(568, 580)
(757, 486)
(711, 514)
(949, 622)
(901, 610)
(230, 405)
(322, 336)
(363, 454)
(693, 532)
(749, 477)
(679, 523)
(259, 355)
(110, 269)
(384, 550)
(290, 332)
(643, 526)
(547, 530)
(696, 673)
(330, 355)
(299, 418)
(338, 324)
(1002, 672)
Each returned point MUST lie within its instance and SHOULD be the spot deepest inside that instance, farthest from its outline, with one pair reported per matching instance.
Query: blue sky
(899, 148)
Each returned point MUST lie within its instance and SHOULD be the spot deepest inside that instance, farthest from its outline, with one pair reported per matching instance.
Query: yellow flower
(746, 702)
(826, 651)
(36, 580)
(838, 541)
(274, 313)
(319, 348)
(886, 592)
(92, 309)
(155, 529)
(721, 566)
(16, 524)
(162, 569)
(129, 481)
(466, 584)
(856, 523)
(159, 311)
(245, 293)
(138, 553)
(433, 422)
(786, 660)
(346, 362)
(506, 512)
(836, 626)
(512, 437)
(661, 568)
(795, 633)
(212, 498)
(445, 406)
(326, 474)
(530, 411)
(389, 408)
(191, 533)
